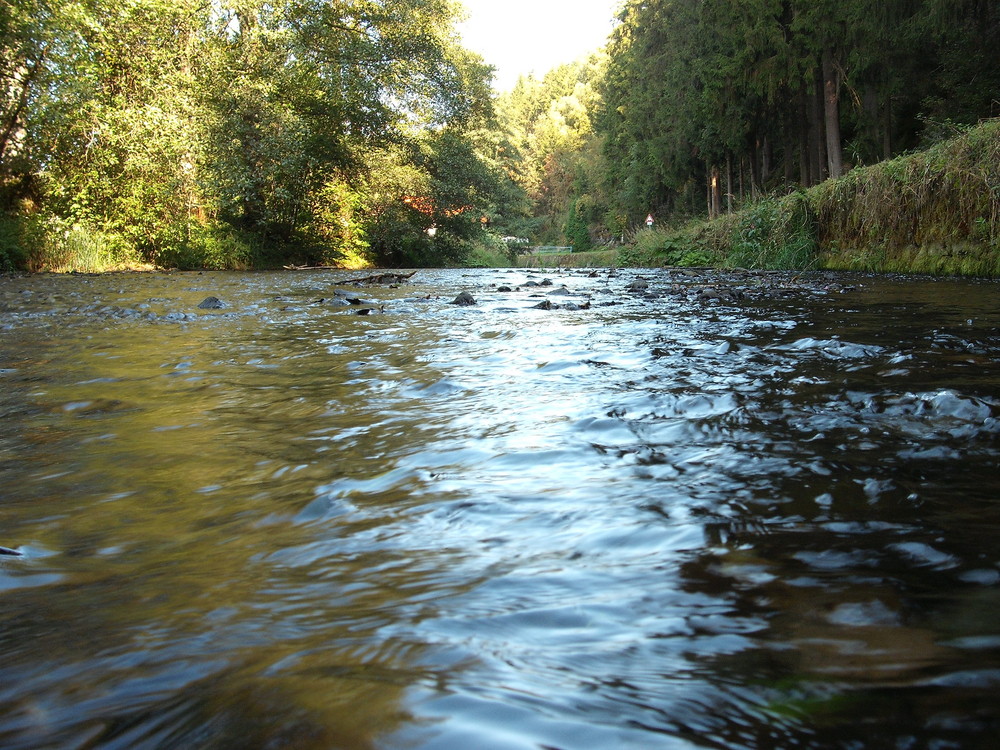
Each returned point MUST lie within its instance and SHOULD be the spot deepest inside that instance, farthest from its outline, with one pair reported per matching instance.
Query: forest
(251, 134)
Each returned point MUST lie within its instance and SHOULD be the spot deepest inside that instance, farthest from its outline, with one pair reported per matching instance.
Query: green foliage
(258, 133)
(337, 224)
(936, 211)
(639, 256)
(666, 247)
(491, 252)
(576, 230)
(12, 251)
(777, 234)
(681, 249)
(738, 89)
(227, 135)
(215, 246)
(549, 125)
(49, 244)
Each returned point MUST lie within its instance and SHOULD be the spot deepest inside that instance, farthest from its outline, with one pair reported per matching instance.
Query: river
(675, 510)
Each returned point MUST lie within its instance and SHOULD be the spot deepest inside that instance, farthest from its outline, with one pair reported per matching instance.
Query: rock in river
(211, 303)
(464, 299)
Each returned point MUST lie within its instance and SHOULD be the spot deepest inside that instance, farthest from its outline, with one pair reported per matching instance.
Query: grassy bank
(593, 259)
(936, 211)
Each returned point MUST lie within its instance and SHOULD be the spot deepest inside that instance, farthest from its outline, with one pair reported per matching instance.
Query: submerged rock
(464, 299)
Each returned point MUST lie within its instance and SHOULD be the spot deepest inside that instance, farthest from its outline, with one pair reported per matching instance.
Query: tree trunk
(765, 164)
(729, 183)
(708, 190)
(714, 193)
(790, 128)
(831, 115)
(23, 78)
(887, 128)
(817, 141)
(805, 144)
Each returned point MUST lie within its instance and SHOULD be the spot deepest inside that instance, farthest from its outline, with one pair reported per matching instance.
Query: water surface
(700, 511)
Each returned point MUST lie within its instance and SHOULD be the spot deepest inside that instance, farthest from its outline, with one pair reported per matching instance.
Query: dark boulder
(464, 299)
(211, 303)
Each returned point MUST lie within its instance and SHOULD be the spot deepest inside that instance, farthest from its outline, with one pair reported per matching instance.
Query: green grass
(935, 211)
(75, 249)
(590, 259)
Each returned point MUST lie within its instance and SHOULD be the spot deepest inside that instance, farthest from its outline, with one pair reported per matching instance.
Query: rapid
(676, 509)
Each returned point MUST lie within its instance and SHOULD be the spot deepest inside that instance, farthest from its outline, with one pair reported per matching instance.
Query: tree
(173, 125)
(740, 96)
(550, 124)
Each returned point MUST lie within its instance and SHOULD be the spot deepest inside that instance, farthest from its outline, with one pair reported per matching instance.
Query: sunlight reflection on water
(651, 523)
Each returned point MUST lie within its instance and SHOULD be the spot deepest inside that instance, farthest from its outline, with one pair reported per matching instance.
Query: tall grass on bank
(34, 244)
(775, 233)
(665, 246)
(37, 243)
(772, 233)
(589, 259)
(936, 211)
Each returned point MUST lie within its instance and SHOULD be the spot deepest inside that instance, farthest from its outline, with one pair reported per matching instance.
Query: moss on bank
(937, 211)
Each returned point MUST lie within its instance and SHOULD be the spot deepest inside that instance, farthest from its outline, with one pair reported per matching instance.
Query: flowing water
(697, 511)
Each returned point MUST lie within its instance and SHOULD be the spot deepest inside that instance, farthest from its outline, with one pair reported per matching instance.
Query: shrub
(16, 239)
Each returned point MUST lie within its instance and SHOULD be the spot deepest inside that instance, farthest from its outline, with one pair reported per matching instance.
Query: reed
(78, 249)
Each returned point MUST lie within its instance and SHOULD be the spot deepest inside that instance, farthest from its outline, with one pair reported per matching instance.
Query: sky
(519, 37)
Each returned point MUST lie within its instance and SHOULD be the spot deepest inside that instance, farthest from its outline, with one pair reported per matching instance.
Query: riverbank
(935, 211)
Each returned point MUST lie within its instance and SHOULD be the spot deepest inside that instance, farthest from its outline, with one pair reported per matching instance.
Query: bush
(15, 242)
(667, 247)
(490, 251)
(51, 244)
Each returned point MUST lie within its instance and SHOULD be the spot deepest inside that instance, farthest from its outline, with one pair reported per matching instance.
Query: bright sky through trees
(533, 36)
